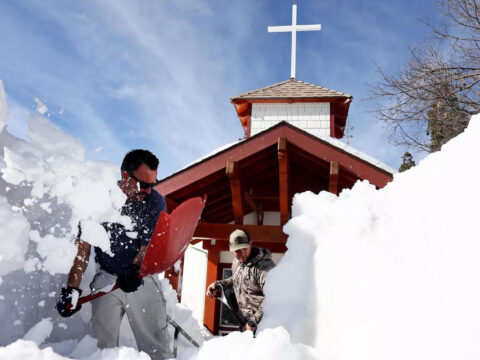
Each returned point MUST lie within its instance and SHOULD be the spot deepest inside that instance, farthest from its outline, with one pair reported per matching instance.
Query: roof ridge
(291, 88)
(263, 88)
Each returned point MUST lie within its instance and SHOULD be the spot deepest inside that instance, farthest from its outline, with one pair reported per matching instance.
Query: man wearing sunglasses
(141, 299)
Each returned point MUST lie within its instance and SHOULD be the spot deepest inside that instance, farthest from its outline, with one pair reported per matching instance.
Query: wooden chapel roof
(248, 177)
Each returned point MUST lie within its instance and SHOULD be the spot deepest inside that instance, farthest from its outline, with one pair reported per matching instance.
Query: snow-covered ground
(370, 274)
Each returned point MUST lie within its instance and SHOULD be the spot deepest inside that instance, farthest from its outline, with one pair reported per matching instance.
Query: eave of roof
(336, 144)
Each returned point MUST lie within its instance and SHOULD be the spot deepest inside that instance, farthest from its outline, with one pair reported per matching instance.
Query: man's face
(242, 254)
(131, 187)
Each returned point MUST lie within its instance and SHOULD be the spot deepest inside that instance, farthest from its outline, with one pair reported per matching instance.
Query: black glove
(129, 280)
(64, 302)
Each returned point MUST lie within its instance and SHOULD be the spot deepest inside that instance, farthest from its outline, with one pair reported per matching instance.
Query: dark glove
(129, 280)
(64, 302)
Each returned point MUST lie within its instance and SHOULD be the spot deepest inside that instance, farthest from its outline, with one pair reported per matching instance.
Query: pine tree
(445, 120)
(407, 162)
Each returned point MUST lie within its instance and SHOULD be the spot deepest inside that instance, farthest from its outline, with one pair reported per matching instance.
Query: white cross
(294, 28)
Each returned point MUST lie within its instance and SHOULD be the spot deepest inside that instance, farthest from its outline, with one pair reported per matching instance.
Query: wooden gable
(263, 173)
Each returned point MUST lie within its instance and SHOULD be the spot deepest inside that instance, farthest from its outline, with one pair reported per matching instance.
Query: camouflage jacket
(248, 282)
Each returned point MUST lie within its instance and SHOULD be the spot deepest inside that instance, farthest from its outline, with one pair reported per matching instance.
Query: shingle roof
(291, 88)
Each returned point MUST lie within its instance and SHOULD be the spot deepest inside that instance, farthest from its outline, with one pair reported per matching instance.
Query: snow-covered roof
(351, 150)
(334, 142)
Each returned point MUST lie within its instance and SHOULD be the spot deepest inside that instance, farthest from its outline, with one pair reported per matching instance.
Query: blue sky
(159, 74)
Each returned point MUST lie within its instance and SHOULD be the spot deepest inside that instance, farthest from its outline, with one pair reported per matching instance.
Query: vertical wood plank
(210, 319)
(233, 174)
(283, 179)
(334, 176)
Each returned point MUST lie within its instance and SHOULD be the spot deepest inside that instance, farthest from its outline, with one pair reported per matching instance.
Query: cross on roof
(294, 28)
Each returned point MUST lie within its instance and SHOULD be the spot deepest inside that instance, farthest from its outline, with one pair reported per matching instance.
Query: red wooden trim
(340, 99)
(283, 179)
(327, 152)
(273, 247)
(217, 162)
(233, 173)
(303, 140)
(333, 179)
(210, 319)
(258, 233)
(242, 108)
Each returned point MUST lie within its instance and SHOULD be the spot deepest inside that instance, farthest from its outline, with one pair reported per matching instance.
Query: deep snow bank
(378, 274)
(387, 274)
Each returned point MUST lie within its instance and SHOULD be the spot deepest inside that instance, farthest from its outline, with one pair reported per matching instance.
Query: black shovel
(231, 304)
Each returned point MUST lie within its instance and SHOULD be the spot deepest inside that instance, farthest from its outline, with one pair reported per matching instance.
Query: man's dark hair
(137, 157)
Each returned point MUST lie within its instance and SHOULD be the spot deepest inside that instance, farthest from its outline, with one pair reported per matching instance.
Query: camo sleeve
(266, 266)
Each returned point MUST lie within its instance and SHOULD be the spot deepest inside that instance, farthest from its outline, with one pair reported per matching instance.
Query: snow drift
(381, 274)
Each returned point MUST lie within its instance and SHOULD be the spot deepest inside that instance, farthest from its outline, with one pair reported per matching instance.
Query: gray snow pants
(146, 313)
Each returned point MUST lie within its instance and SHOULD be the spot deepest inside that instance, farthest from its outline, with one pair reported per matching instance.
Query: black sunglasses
(143, 185)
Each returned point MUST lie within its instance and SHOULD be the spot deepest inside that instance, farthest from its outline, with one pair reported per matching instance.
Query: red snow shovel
(169, 241)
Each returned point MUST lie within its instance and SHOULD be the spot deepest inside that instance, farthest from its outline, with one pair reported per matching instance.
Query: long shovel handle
(93, 296)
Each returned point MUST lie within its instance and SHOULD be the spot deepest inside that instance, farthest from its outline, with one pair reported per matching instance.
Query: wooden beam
(283, 179)
(254, 207)
(233, 173)
(291, 100)
(171, 204)
(333, 179)
(209, 318)
(258, 233)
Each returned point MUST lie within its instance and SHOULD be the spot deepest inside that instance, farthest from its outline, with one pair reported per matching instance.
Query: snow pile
(29, 350)
(269, 344)
(40, 332)
(387, 274)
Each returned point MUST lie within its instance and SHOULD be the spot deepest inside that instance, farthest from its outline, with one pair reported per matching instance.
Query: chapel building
(291, 145)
